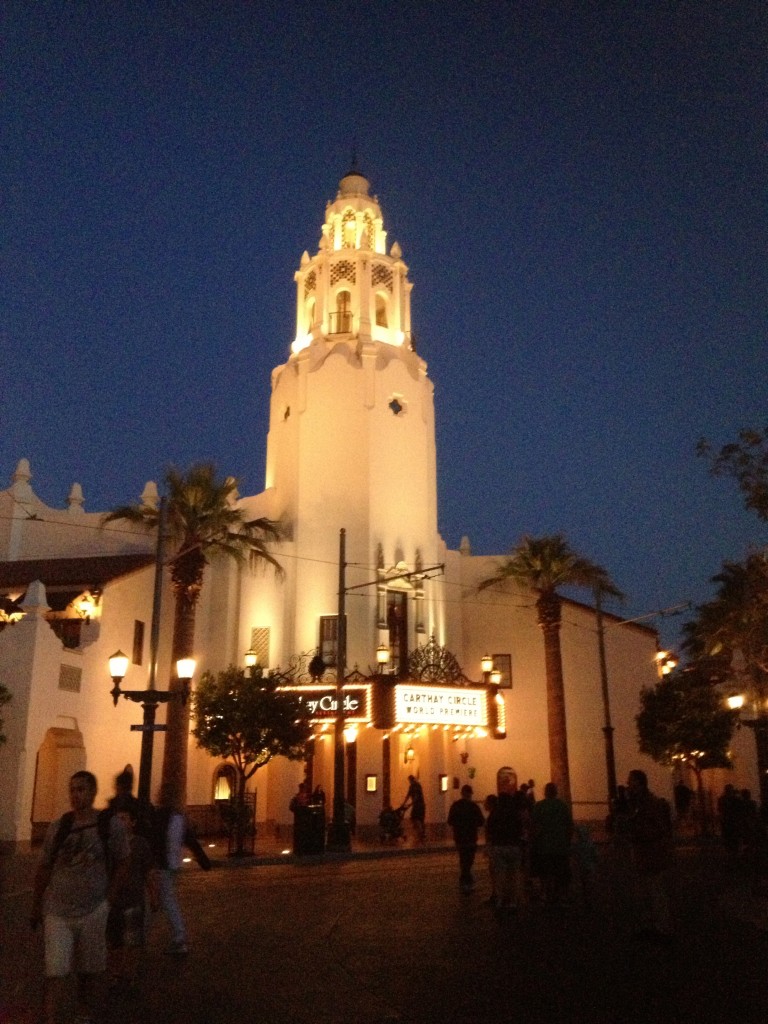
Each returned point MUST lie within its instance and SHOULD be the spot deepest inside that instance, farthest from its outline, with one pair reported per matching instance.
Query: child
(126, 922)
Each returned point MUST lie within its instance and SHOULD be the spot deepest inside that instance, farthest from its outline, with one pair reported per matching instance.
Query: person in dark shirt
(465, 820)
(505, 829)
(414, 799)
(126, 922)
(650, 833)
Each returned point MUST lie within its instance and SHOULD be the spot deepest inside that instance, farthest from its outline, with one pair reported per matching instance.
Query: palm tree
(544, 564)
(201, 519)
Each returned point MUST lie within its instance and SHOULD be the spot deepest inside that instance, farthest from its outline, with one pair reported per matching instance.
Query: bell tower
(351, 287)
(352, 441)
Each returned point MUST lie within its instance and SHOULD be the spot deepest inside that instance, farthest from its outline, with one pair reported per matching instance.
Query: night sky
(579, 190)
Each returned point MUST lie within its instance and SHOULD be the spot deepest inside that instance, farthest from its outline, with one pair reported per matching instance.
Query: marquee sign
(322, 702)
(441, 705)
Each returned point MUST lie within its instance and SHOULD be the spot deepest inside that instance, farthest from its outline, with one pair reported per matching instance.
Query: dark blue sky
(579, 191)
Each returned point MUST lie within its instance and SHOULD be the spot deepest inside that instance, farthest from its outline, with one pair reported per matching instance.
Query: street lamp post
(338, 834)
(610, 756)
(149, 700)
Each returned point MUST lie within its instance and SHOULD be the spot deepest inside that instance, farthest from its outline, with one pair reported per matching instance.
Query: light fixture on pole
(149, 700)
(382, 657)
(486, 665)
(251, 660)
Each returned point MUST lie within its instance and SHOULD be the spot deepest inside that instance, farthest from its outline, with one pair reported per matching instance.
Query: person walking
(650, 835)
(414, 799)
(82, 868)
(505, 829)
(552, 829)
(126, 923)
(171, 834)
(465, 820)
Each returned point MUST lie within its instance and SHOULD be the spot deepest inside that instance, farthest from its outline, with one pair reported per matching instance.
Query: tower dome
(353, 184)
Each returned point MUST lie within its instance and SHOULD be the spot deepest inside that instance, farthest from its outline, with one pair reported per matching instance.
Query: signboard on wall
(322, 703)
(441, 705)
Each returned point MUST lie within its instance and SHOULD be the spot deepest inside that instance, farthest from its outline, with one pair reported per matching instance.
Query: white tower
(352, 443)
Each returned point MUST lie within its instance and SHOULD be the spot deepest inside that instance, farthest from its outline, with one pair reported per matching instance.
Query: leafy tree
(683, 721)
(5, 697)
(728, 641)
(545, 564)
(202, 519)
(248, 720)
(746, 460)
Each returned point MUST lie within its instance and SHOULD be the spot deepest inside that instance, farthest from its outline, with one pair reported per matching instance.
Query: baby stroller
(391, 825)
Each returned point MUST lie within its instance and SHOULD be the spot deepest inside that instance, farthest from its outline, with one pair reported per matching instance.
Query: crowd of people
(98, 873)
(525, 839)
(535, 851)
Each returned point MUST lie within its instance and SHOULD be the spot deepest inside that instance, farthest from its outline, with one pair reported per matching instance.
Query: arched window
(341, 320)
(381, 310)
(309, 313)
(224, 781)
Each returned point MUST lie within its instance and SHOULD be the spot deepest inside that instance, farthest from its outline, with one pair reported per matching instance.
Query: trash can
(309, 829)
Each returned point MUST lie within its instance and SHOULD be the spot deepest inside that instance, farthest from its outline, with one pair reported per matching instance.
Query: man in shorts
(83, 865)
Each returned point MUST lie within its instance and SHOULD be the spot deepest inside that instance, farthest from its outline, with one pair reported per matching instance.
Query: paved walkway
(385, 936)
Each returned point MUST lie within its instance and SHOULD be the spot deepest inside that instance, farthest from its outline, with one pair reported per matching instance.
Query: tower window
(341, 320)
(349, 230)
(309, 313)
(381, 311)
(396, 406)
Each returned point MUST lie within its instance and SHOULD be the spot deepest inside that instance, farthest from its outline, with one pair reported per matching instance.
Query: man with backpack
(82, 868)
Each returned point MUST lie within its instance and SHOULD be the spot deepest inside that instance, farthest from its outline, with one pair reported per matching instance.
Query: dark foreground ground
(372, 940)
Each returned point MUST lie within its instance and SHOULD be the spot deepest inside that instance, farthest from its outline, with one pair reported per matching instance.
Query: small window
(70, 678)
(260, 644)
(329, 639)
(503, 662)
(68, 631)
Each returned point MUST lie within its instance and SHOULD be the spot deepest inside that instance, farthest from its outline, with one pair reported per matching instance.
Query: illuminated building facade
(351, 447)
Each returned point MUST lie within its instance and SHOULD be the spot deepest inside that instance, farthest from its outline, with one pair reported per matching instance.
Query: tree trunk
(240, 819)
(548, 607)
(174, 774)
